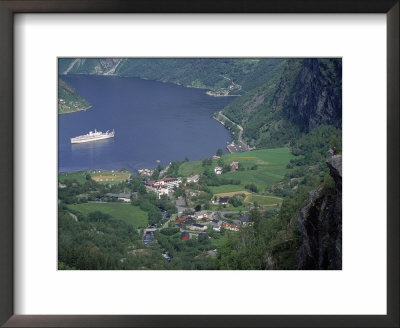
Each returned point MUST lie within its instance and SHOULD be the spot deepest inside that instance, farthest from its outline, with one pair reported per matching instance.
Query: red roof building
(185, 235)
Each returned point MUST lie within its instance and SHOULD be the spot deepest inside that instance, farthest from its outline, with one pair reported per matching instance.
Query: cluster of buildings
(200, 222)
(163, 186)
(145, 172)
(231, 227)
(221, 200)
(234, 165)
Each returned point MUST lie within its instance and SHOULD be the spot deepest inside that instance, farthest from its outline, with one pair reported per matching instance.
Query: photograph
(199, 163)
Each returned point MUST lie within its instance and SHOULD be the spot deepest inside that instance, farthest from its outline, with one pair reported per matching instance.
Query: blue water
(152, 121)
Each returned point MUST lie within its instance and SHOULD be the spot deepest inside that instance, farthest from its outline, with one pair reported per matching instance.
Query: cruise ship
(93, 136)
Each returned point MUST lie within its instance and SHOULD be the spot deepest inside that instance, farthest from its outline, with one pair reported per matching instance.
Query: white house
(196, 226)
(193, 178)
(163, 186)
(218, 170)
(158, 189)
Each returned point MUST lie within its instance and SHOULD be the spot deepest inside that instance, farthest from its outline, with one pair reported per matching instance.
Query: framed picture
(187, 206)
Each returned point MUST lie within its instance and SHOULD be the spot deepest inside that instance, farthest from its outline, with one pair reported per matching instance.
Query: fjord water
(153, 121)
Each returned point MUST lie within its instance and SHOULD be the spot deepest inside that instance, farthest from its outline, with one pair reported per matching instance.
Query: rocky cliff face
(306, 95)
(316, 95)
(320, 224)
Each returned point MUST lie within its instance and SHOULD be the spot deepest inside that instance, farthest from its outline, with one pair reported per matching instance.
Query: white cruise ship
(93, 136)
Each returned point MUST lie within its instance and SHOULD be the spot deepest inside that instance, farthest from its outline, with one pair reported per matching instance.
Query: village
(192, 222)
(225, 92)
(184, 210)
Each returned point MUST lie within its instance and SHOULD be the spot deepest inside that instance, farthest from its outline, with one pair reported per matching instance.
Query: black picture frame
(7, 10)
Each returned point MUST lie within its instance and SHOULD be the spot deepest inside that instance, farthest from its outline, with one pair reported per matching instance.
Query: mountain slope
(236, 75)
(69, 100)
(307, 94)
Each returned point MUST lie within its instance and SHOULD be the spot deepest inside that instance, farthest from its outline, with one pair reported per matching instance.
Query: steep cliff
(320, 224)
(316, 97)
(306, 95)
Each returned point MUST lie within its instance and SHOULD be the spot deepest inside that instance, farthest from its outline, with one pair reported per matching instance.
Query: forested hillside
(305, 96)
(236, 75)
(300, 108)
(69, 100)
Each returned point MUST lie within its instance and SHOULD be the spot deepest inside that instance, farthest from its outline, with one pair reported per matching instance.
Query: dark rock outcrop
(316, 97)
(320, 224)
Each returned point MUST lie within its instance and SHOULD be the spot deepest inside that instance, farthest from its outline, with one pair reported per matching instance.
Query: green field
(105, 177)
(79, 176)
(191, 168)
(110, 177)
(226, 189)
(271, 168)
(130, 214)
(264, 200)
(251, 198)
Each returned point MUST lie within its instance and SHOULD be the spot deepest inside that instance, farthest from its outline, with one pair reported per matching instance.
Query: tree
(252, 187)
(207, 162)
(226, 168)
(180, 191)
(235, 201)
(155, 175)
(219, 152)
(197, 208)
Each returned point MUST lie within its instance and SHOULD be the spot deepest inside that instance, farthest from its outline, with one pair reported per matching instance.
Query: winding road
(240, 139)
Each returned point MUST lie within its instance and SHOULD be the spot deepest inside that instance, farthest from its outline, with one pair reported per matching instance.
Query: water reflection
(92, 145)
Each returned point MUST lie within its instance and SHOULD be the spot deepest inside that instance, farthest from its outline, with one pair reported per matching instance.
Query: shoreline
(240, 141)
(211, 94)
(75, 111)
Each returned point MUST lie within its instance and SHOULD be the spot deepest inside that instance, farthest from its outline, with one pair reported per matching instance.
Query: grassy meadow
(251, 198)
(79, 176)
(110, 177)
(132, 215)
(105, 177)
(270, 168)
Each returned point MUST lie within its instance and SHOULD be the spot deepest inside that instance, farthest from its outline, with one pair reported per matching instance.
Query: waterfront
(152, 121)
